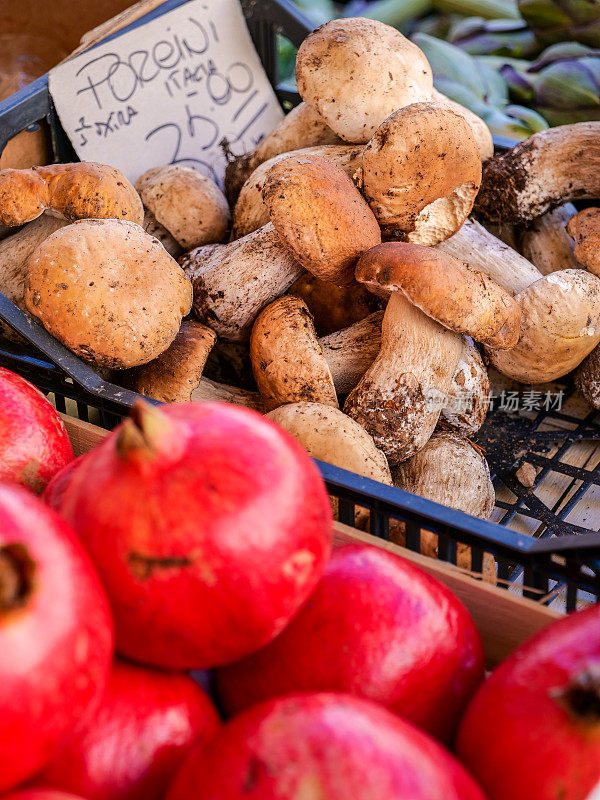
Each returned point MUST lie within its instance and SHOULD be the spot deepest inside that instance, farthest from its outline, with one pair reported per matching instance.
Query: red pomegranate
(41, 793)
(209, 526)
(55, 634)
(533, 728)
(55, 490)
(137, 739)
(34, 444)
(330, 746)
(375, 626)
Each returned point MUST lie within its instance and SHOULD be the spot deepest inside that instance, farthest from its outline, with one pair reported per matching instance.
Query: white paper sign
(168, 92)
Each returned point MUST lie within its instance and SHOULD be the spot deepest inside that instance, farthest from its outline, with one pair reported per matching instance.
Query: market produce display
(179, 616)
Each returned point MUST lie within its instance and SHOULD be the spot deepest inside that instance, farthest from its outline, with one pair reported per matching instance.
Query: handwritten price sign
(168, 92)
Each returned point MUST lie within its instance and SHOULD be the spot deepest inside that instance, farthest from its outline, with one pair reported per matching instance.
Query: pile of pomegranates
(183, 566)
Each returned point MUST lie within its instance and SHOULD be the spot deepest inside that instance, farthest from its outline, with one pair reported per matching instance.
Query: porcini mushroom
(290, 364)
(356, 72)
(421, 172)
(331, 436)
(560, 312)
(287, 359)
(185, 203)
(585, 230)
(108, 291)
(83, 190)
(450, 471)
(176, 375)
(251, 212)
(320, 216)
(433, 300)
(540, 173)
(302, 127)
(546, 243)
(318, 221)
(481, 132)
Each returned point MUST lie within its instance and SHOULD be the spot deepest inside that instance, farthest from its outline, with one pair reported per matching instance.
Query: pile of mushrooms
(371, 258)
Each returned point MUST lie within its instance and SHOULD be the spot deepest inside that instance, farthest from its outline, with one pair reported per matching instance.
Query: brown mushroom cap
(450, 471)
(585, 230)
(83, 190)
(331, 436)
(287, 359)
(320, 216)
(251, 212)
(108, 291)
(357, 71)
(188, 204)
(459, 297)
(173, 376)
(481, 132)
(421, 172)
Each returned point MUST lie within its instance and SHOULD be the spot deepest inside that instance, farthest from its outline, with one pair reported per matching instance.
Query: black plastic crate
(551, 557)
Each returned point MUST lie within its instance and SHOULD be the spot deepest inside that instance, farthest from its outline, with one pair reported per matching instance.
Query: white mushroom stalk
(467, 403)
(560, 312)
(546, 242)
(545, 171)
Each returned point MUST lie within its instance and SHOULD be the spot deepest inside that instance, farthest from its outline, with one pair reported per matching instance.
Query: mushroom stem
(214, 392)
(479, 248)
(544, 171)
(233, 282)
(396, 399)
(351, 351)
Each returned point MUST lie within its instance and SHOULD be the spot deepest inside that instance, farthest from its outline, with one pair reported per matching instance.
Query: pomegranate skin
(209, 526)
(40, 793)
(55, 490)
(136, 740)
(375, 626)
(56, 638)
(325, 745)
(34, 444)
(524, 734)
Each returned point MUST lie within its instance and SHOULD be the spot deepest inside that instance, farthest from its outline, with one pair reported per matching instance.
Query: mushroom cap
(450, 471)
(155, 229)
(334, 307)
(251, 212)
(560, 326)
(287, 359)
(421, 172)
(585, 230)
(108, 291)
(320, 216)
(185, 202)
(457, 296)
(173, 376)
(481, 132)
(330, 435)
(357, 71)
(83, 190)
